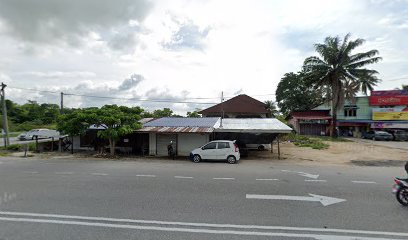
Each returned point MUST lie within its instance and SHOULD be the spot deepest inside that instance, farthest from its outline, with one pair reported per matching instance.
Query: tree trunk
(112, 146)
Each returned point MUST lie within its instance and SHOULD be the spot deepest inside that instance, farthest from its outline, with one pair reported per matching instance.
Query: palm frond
(360, 56)
(364, 62)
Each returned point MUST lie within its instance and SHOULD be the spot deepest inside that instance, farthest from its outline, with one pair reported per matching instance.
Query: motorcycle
(400, 189)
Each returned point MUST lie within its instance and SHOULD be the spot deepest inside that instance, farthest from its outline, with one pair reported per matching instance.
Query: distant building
(311, 122)
(353, 117)
(241, 106)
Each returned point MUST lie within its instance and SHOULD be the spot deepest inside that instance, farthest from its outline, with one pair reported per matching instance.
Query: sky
(182, 50)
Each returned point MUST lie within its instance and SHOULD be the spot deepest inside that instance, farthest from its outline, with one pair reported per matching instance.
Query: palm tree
(339, 70)
(271, 108)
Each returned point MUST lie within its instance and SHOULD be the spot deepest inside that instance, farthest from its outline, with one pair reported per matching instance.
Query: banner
(389, 125)
(389, 98)
(390, 115)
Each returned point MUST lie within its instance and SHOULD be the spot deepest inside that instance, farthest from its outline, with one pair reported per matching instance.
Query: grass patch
(4, 154)
(12, 147)
(330, 139)
(305, 141)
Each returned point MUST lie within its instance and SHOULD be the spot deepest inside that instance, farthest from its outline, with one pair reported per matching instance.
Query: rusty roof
(177, 129)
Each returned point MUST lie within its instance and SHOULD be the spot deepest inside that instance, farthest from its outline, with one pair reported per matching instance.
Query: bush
(12, 147)
(304, 141)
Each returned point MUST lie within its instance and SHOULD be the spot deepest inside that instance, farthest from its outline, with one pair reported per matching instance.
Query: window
(212, 145)
(350, 112)
(222, 145)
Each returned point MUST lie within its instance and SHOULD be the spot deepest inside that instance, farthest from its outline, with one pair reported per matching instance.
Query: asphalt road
(160, 199)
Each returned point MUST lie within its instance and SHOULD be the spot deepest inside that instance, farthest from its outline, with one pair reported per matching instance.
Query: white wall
(152, 143)
(190, 141)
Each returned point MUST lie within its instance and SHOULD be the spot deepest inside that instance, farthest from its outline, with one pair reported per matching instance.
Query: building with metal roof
(187, 134)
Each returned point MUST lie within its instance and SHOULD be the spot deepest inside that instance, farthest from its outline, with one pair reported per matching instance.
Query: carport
(250, 130)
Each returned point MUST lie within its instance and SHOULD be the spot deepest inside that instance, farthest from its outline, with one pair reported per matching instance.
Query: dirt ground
(360, 153)
(356, 153)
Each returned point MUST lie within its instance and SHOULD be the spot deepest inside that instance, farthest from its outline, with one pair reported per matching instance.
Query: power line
(34, 90)
(136, 99)
(139, 100)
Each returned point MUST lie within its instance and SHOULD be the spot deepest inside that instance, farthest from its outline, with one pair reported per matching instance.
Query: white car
(217, 150)
(40, 133)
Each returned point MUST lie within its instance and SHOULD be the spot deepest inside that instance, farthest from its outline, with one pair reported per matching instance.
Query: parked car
(378, 135)
(259, 147)
(217, 150)
(40, 133)
(400, 135)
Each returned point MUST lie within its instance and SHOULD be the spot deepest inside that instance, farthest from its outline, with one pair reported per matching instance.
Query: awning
(251, 125)
(313, 118)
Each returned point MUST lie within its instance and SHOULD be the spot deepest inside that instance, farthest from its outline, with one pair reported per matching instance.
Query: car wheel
(231, 160)
(196, 158)
(261, 147)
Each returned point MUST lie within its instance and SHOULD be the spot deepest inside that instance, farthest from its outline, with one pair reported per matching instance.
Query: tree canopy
(340, 71)
(295, 94)
(116, 121)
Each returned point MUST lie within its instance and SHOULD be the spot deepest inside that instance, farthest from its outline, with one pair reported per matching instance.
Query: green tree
(338, 65)
(294, 94)
(76, 122)
(404, 87)
(271, 108)
(194, 114)
(166, 112)
(117, 121)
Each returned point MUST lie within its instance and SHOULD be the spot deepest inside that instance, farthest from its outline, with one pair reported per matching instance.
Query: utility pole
(62, 103)
(5, 123)
(222, 108)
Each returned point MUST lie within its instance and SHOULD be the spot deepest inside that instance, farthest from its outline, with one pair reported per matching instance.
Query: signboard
(389, 98)
(397, 113)
(389, 125)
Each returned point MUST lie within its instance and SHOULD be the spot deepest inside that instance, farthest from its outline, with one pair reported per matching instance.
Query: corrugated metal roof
(177, 129)
(182, 122)
(252, 125)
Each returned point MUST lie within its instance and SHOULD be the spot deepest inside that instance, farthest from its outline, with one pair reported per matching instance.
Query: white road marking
(99, 174)
(30, 172)
(223, 178)
(64, 173)
(303, 174)
(324, 200)
(183, 177)
(309, 175)
(315, 180)
(367, 182)
(212, 225)
(145, 175)
(267, 179)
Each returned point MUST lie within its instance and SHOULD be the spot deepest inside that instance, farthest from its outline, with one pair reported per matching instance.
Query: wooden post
(36, 144)
(272, 146)
(72, 144)
(278, 148)
(25, 150)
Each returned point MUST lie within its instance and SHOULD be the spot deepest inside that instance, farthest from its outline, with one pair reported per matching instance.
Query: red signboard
(389, 98)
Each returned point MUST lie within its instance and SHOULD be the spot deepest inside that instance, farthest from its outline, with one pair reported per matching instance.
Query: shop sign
(389, 98)
(389, 125)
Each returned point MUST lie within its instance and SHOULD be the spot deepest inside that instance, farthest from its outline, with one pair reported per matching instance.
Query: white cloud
(243, 46)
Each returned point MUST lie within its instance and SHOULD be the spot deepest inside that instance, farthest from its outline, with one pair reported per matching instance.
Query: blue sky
(183, 49)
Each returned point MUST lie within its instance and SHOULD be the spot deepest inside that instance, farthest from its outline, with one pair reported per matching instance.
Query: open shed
(249, 130)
